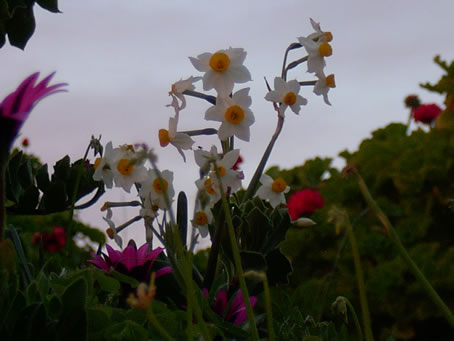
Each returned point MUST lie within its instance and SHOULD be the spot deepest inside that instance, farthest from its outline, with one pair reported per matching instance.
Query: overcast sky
(121, 57)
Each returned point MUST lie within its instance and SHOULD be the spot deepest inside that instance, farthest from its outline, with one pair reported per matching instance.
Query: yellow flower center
(219, 62)
(160, 185)
(208, 185)
(279, 185)
(125, 167)
(111, 233)
(234, 114)
(290, 98)
(328, 36)
(164, 138)
(330, 82)
(325, 49)
(221, 171)
(97, 162)
(200, 218)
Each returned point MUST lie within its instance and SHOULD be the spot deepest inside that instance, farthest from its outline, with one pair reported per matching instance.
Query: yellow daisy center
(290, 98)
(234, 114)
(328, 36)
(164, 138)
(221, 171)
(219, 62)
(325, 49)
(160, 185)
(208, 185)
(201, 218)
(330, 82)
(97, 162)
(279, 185)
(125, 167)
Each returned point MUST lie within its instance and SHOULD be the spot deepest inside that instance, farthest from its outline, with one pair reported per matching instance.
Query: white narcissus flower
(103, 169)
(177, 90)
(127, 168)
(112, 231)
(148, 210)
(323, 85)
(208, 194)
(235, 115)
(317, 51)
(157, 188)
(286, 93)
(319, 35)
(222, 69)
(227, 176)
(272, 190)
(202, 218)
(203, 158)
(180, 141)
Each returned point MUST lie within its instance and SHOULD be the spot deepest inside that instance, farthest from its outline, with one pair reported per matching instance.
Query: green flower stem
(208, 98)
(307, 83)
(269, 313)
(198, 132)
(214, 251)
(155, 323)
(252, 188)
(394, 237)
(355, 319)
(237, 261)
(360, 279)
(284, 63)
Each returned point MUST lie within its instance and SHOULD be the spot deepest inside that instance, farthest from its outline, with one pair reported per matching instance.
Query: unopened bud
(303, 222)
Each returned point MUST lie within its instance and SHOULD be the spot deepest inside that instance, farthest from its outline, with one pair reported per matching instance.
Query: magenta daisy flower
(16, 107)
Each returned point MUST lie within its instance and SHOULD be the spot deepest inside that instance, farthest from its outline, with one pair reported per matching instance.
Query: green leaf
(50, 5)
(54, 199)
(105, 282)
(42, 178)
(21, 26)
(126, 330)
(29, 199)
(279, 268)
(253, 261)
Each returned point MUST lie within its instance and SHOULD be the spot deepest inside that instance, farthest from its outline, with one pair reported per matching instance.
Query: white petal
(225, 131)
(209, 80)
(242, 131)
(214, 114)
(239, 74)
(279, 84)
(293, 86)
(242, 98)
(202, 62)
(265, 179)
(183, 141)
(300, 100)
(230, 158)
(274, 96)
(237, 55)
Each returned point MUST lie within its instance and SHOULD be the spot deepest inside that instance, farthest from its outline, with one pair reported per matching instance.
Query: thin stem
(269, 313)
(237, 261)
(355, 319)
(284, 63)
(295, 63)
(360, 279)
(126, 224)
(394, 237)
(307, 83)
(208, 98)
(155, 323)
(206, 131)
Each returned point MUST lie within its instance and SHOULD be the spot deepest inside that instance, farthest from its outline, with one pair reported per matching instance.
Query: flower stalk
(394, 237)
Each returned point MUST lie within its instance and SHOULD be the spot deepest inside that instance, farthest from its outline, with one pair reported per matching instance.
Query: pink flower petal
(163, 271)
(129, 257)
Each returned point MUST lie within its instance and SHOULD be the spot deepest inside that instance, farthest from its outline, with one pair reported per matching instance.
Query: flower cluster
(52, 242)
(426, 113)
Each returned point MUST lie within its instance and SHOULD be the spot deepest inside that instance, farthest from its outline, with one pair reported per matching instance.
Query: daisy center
(164, 138)
(160, 185)
(97, 162)
(125, 167)
(325, 49)
(221, 171)
(201, 218)
(219, 62)
(234, 114)
(290, 98)
(208, 185)
(330, 82)
(279, 185)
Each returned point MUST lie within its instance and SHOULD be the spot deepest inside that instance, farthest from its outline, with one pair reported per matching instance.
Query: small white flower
(103, 170)
(317, 51)
(203, 158)
(202, 218)
(272, 190)
(286, 93)
(208, 194)
(222, 69)
(323, 85)
(112, 231)
(148, 210)
(227, 176)
(177, 90)
(235, 115)
(157, 188)
(180, 141)
(319, 35)
(127, 168)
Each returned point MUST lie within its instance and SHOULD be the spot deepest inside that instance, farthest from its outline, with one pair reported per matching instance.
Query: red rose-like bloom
(426, 113)
(52, 242)
(304, 202)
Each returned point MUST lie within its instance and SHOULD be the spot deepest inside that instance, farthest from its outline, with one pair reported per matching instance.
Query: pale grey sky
(120, 59)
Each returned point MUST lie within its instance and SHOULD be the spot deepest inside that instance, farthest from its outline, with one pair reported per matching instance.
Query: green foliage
(411, 179)
(446, 84)
(17, 20)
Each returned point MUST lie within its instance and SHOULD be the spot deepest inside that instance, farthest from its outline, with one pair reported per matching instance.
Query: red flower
(426, 113)
(52, 242)
(304, 202)
(236, 165)
(236, 312)
(25, 142)
(16, 107)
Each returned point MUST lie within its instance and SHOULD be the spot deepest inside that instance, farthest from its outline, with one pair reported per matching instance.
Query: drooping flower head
(304, 202)
(426, 113)
(235, 115)
(52, 242)
(286, 93)
(136, 263)
(16, 107)
(202, 217)
(272, 190)
(222, 69)
(127, 167)
(177, 90)
(156, 188)
(104, 166)
(322, 86)
(235, 312)
(180, 141)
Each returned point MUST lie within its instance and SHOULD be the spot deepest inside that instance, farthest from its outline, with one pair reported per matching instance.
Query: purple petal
(237, 304)
(163, 271)
(129, 257)
(221, 302)
(142, 254)
(114, 256)
(13, 103)
(99, 262)
(154, 253)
